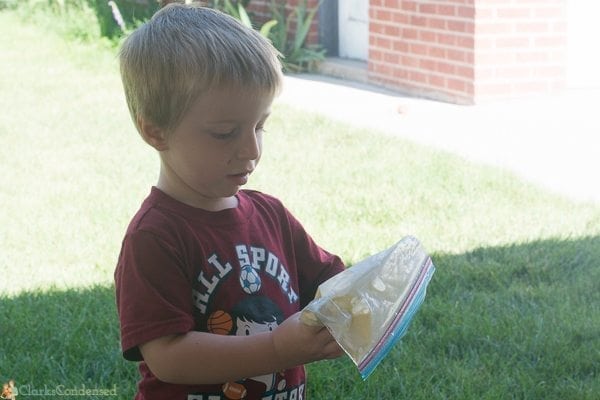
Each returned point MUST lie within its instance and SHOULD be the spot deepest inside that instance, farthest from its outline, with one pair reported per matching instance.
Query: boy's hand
(297, 343)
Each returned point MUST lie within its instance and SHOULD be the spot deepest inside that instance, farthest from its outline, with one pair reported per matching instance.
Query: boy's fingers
(333, 350)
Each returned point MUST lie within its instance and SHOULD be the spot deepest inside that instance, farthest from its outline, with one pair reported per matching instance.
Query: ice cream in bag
(368, 307)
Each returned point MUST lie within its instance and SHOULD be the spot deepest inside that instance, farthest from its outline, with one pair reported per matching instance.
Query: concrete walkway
(552, 141)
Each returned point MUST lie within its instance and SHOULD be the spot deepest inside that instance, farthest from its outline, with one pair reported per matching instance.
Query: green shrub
(298, 56)
(84, 20)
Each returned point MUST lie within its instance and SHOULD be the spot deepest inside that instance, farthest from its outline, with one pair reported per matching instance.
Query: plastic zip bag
(368, 307)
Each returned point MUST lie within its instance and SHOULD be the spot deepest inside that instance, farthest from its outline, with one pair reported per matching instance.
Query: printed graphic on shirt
(252, 315)
(295, 393)
(255, 264)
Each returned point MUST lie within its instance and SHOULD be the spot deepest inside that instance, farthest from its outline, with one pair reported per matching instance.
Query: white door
(583, 44)
(353, 19)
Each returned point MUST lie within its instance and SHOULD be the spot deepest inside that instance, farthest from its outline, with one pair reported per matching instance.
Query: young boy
(211, 278)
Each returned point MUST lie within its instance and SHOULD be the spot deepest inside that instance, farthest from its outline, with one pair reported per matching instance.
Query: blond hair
(186, 50)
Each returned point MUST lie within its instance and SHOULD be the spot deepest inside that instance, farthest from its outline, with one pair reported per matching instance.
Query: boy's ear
(153, 135)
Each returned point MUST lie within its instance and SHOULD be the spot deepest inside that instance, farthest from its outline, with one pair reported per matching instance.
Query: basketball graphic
(220, 323)
(249, 279)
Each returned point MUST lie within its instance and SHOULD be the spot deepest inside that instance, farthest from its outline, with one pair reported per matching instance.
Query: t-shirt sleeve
(315, 264)
(152, 292)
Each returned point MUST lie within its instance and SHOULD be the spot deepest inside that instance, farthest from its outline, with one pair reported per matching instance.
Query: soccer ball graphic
(249, 279)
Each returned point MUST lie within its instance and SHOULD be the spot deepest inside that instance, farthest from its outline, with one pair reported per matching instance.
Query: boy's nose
(250, 146)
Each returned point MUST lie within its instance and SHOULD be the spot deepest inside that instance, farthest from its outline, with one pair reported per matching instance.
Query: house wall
(468, 51)
(462, 51)
(520, 47)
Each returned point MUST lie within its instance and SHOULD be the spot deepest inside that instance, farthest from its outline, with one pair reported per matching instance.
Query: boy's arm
(206, 358)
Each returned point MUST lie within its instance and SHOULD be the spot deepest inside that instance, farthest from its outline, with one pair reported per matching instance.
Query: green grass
(513, 310)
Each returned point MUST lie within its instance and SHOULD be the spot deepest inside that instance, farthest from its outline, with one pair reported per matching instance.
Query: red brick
(392, 58)
(445, 9)
(426, 8)
(465, 12)
(383, 42)
(461, 26)
(446, 38)
(417, 76)
(437, 52)
(408, 5)
(400, 18)
(408, 61)
(436, 23)
(376, 27)
(418, 21)
(426, 36)
(437, 81)
(455, 55)
(428, 64)
(392, 30)
(446, 68)
(418, 48)
(400, 73)
(467, 42)
(456, 84)
(375, 55)
(465, 72)
(410, 33)
(383, 15)
(400, 46)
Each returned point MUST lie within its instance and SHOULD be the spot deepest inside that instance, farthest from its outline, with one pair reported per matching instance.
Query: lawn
(513, 310)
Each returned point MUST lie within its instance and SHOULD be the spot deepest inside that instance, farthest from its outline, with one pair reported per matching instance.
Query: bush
(84, 20)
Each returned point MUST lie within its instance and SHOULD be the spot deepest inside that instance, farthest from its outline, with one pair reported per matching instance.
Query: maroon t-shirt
(237, 271)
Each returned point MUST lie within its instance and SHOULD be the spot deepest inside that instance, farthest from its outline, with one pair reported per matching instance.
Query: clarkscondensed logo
(10, 391)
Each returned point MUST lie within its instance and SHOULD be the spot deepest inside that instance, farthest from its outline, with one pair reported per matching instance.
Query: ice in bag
(369, 306)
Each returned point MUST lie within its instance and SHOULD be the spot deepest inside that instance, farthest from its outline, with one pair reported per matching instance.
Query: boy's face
(215, 148)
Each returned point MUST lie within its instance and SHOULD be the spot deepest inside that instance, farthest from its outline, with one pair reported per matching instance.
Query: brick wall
(423, 47)
(468, 51)
(520, 47)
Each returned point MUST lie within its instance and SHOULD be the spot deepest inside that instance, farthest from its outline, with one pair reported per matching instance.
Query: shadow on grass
(519, 321)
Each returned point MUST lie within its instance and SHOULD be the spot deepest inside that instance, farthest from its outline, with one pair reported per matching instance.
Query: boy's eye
(223, 135)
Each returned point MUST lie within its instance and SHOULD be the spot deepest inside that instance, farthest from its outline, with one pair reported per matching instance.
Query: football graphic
(249, 279)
